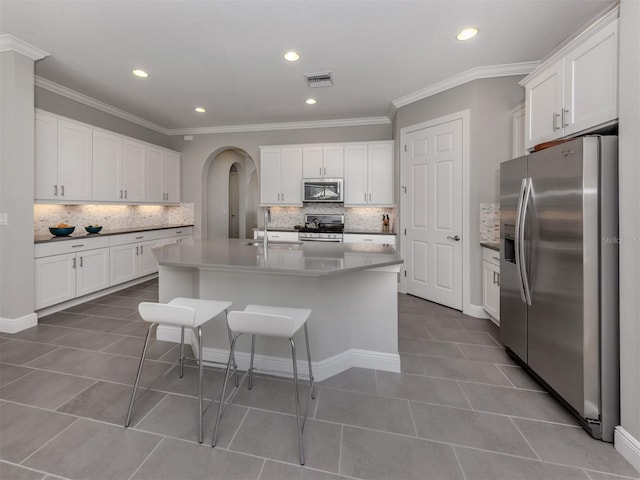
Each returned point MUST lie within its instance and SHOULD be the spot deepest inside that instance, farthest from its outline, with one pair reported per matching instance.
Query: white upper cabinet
(576, 90)
(517, 121)
(63, 159)
(323, 161)
(171, 176)
(134, 156)
(162, 177)
(154, 191)
(369, 174)
(281, 175)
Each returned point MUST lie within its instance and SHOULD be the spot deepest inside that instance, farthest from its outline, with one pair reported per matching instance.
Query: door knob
(455, 237)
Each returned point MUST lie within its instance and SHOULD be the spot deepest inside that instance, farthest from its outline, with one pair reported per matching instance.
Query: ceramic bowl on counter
(93, 229)
(61, 231)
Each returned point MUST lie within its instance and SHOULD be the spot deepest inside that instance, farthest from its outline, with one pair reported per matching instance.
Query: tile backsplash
(110, 216)
(489, 222)
(355, 219)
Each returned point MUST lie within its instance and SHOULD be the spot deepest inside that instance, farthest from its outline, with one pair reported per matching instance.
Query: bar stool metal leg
(200, 383)
(235, 365)
(181, 352)
(135, 385)
(224, 389)
(312, 385)
(295, 390)
(253, 350)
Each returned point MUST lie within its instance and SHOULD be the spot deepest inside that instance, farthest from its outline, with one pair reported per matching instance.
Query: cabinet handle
(62, 188)
(283, 197)
(137, 250)
(498, 275)
(368, 239)
(74, 263)
(365, 196)
(141, 236)
(325, 171)
(179, 232)
(497, 259)
(125, 194)
(320, 171)
(565, 116)
(556, 116)
(120, 193)
(55, 190)
(494, 277)
(81, 261)
(141, 249)
(78, 245)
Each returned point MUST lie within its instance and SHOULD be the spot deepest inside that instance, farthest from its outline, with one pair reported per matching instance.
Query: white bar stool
(180, 312)
(273, 322)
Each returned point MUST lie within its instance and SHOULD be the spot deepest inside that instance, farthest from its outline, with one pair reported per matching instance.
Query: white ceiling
(226, 55)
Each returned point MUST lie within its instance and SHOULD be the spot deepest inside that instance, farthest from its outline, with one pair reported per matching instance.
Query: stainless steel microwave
(322, 190)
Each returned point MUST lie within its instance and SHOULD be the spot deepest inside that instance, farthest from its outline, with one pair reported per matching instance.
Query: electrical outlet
(3, 219)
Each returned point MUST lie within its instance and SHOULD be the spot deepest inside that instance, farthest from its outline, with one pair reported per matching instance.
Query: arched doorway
(230, 188)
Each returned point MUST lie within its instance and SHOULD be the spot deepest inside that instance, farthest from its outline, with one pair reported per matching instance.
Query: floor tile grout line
(40, 356)
(317, 402)
(31, 469)
(31, 371)
(455, 454)
(340, 450)
(413, 420)
(466, 397)
(79, 393)
(244, 417)
(147, 458)
(51, 439)
(505, 376)
(264, 462)
(525, 439)
(150, 410)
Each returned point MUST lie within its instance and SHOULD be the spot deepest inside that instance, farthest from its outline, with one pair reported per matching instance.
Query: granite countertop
(80, 232)
(492, 245)
(242, 255)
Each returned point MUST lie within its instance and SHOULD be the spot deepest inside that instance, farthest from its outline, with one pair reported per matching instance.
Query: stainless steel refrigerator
(559, 274)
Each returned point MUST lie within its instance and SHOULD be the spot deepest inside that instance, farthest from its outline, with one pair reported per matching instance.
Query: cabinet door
(355, 174)
(312, 161)
(153, 176)
(146, 260)
(291, 176)
(107, 160)
(133, 159)
(333, 161)
(380, 174)
(491, 289)
(518, 124)
(55, 279)
(46, 154)
(74, 161)
(123, 261)
(92, 269)
(544, 106)
(270, 176)
(591, 81)
(171, 177)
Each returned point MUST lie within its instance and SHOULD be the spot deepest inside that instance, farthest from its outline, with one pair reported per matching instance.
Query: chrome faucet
(267, 220)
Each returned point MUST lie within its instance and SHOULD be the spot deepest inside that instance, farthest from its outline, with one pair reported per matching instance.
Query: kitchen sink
(275, 244)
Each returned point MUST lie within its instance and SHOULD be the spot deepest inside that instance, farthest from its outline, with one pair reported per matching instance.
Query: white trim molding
(15, 325)
(627, 446)
(9, 43)
(476, 73)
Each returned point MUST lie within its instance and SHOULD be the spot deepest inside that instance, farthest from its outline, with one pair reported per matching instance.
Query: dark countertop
(369, 232)
(80, 232)
(492, 246)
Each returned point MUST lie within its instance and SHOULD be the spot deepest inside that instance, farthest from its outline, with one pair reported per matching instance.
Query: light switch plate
(3, 219)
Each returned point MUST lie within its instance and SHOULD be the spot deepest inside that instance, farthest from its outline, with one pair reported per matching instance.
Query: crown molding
(261, 127)
(473, 74)
(92, 102)
(10, 43)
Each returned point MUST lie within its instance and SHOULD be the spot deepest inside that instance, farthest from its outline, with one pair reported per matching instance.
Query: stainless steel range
(322, 228)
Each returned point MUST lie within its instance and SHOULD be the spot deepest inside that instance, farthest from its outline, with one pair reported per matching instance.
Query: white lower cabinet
(380, 239)
(176, 235)
(491, 282)
(65, 270)
(276, 236)
(131, 256)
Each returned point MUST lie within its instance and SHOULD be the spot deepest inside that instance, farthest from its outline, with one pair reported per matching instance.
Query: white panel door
(544, 106)
(312, 161)
(171, 177)
(434, 213)
(291, 176)
(107, 160)
(75, 143)
(153, 176)
(355, 174)
(123, 263)
(270, 176)
(134, 155)
(46, 152)
(92, 267)
(55, 279)
(333, 161)
(380, 174)
(146, 260)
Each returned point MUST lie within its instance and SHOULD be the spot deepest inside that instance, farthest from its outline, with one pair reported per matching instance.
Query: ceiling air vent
(317, 80)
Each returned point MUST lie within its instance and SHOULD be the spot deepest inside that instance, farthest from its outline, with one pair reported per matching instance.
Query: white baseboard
(628, 446)
(475, 311)
(282, 367)
(15, 325)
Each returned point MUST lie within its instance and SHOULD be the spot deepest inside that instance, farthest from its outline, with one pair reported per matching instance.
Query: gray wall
(16, 185)
(54, 103)
(629, 143)
(490, 102)
(198, 153)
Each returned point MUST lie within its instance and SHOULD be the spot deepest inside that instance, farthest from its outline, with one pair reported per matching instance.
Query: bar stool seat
(184, 313)
(272, 321)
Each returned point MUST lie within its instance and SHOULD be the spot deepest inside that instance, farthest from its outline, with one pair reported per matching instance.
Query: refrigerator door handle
(523, 263)
(517, 239)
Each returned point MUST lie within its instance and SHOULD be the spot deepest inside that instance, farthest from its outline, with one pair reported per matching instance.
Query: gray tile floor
(461, 409)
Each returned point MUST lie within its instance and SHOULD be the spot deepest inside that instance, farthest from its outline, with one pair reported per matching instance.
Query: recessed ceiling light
(467, 33)
(311, 101)
(292, 56)
(140, 73)
(200, 109)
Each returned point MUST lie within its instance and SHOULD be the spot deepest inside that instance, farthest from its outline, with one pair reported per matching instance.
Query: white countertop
(311, 259)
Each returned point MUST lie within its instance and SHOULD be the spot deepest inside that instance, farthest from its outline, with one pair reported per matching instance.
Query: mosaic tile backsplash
(110, 216)
(489, 222)
(355, 219)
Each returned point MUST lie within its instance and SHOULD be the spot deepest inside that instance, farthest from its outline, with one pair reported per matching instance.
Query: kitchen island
(350, 288)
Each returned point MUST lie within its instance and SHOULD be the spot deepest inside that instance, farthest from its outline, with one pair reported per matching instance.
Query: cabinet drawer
(69, 246)
(134, 237)
(177, 232)
(364, 238)
(491, 256)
